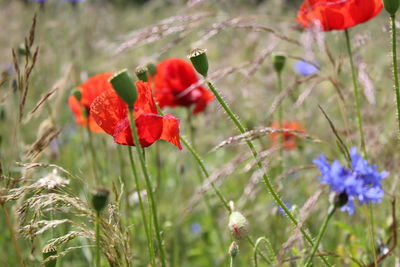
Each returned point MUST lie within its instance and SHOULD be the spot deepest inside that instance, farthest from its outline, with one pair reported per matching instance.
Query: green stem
(269, 247)
(199, 175)
(265, 177)
(143, 213)
(356, 94)
(13, 237)
(139, 150)
(92, 152)
(314, 249)
(360, 127)
(256, 250)
(395, 67)
(231, 261)
(97, 239)
(206, 173)
(280, 121)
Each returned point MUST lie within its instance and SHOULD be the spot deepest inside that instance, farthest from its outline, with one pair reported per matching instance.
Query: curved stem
(314, 249)
(356, 94)
(142, 211)
(200, 177)
(265, 177)
(269, 246)
(146, 175)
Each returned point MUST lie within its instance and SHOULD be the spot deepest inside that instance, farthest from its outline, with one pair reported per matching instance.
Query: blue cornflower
(195, 228)
(362, 182)
(305, 69)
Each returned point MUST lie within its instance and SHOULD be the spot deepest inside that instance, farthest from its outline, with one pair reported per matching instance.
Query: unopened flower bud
(151, 68)
(123, 85)
(340, 200)
(47, 252)
(199, 60)
(238, 225)
(141, 73)
(100, 199)
(279, 61)
(233, 249)
(391, 6)
(77, 94)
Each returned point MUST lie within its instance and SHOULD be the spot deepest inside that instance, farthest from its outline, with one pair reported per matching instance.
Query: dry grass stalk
(42, 142)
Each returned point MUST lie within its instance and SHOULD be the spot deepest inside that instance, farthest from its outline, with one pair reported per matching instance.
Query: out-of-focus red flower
(90, 89)
(289, 139)
(111, 114)
(331, 15)
(173, 76)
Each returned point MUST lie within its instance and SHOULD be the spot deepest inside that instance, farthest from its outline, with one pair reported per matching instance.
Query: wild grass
(38, 135)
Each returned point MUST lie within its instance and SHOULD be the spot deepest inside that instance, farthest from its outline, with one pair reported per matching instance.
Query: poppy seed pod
(279, 62)
(198, 57)
(100, 198)
(123, 85)
(77, 94)
(151, 68)
(141, 73)
(233, 249)
(47, 252)
(238, 225)
(391, 6)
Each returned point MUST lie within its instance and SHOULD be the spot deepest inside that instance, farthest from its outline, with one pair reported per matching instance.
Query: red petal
(170, 131)
(108, 110)
(80, 119)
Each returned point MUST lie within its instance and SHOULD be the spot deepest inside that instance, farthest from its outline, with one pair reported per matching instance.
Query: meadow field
(234, 175)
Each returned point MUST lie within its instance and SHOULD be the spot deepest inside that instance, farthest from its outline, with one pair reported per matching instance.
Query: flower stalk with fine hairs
(254, 152)
(99, 202)
(125, 88)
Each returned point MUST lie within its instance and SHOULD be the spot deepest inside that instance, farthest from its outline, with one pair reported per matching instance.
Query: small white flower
(52, 181)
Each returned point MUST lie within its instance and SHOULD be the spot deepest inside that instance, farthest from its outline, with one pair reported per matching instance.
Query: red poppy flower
(90, 89)
(331, 15)
(111, 114)
(289, 139)
(173, 76)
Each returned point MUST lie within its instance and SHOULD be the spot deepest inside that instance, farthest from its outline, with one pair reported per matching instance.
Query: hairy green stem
(97, 239)
(13, 237)
(356, 94)
(395, 67)
(265, 177)
(280, 120)
(143, 213)
(362, 136)
(206, 173)
(150, 195)
(314, 249)
(269, 247)
(199, 175)
(92, 152)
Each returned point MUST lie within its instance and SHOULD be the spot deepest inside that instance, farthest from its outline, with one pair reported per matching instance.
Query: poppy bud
(47, 252)
(198, 57)
(100, 198)
(151, 68)
(77, 94)
(141, 73)
(233, 249)
(279, 62)
(391, 6)
(238, 225)
(123, 85)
